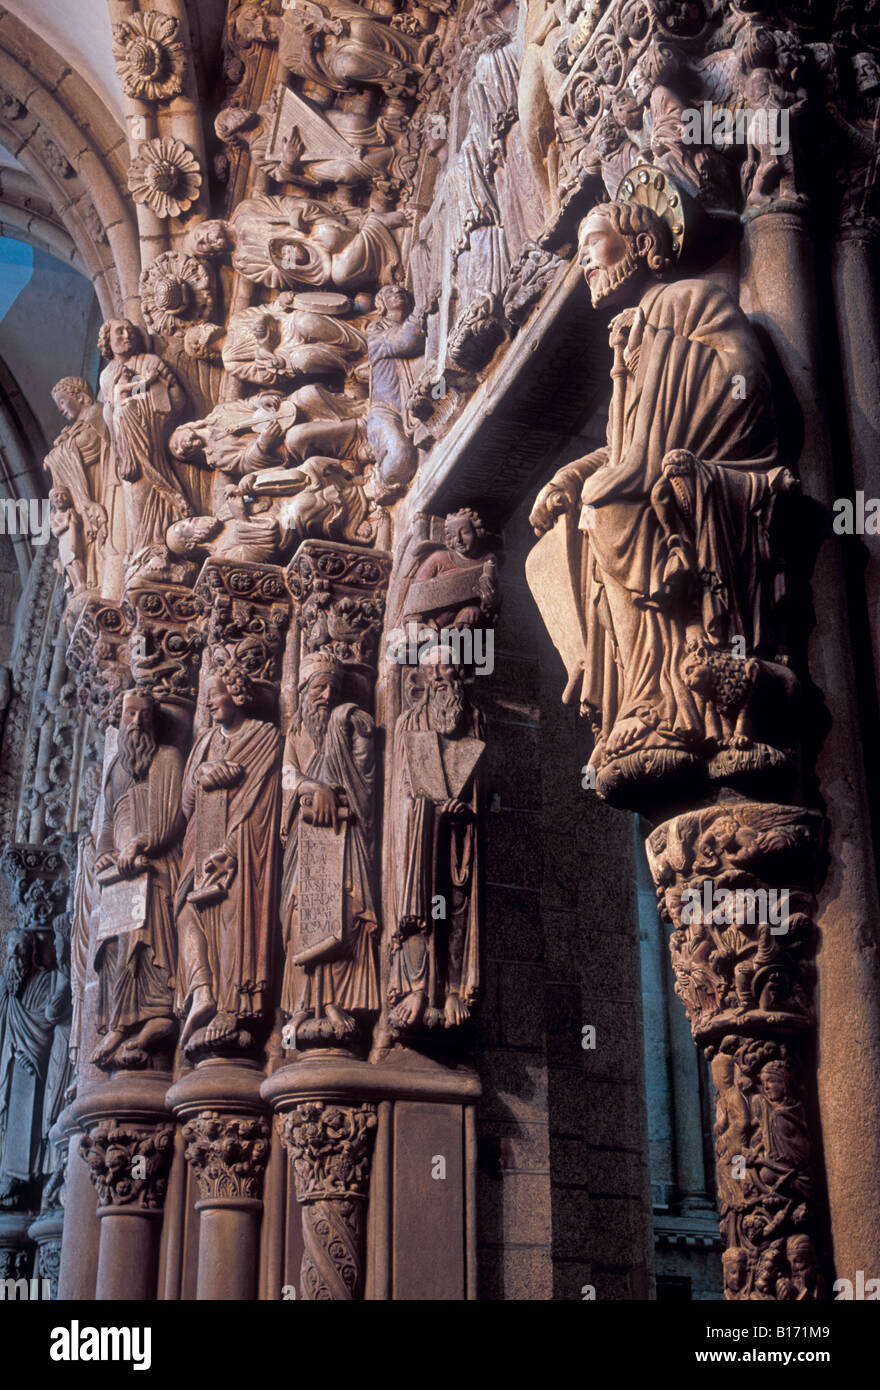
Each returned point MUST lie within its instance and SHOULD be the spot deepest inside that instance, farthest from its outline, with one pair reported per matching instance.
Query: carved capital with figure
(129, 1163)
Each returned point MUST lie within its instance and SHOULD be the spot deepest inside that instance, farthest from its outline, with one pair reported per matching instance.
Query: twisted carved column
(331, 1148)
(735, 882)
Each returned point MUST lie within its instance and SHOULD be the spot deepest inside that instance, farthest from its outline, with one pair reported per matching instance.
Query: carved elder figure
(674, 511)
(226, 899)
(137, 865)
(438, 746)
(331, 971)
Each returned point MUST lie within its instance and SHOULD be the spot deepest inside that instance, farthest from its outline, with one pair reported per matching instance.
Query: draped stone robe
(225, 944)
(695, 381)
(346, 975)
(136, 970)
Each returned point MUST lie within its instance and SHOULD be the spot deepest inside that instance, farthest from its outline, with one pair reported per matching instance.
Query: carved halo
(654, 189)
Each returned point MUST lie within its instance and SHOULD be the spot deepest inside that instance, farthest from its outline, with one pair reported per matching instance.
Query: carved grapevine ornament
(165, 176)
(149, 57)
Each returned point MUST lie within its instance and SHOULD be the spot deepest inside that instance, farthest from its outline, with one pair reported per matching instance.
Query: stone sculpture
(137, 865)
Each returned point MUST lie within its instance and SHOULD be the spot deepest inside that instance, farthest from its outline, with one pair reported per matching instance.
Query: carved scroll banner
(123, 906)
(322, 869)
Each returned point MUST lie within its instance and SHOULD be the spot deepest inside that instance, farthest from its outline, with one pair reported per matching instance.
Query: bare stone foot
(455, 1011)
(200, 1010)
(101, 1055)
(410, 1010)
(154, 1031)
(343, 1023)
(222, 1026)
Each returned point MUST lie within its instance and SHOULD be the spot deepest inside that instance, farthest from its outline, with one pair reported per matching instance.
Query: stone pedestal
(401, 1133)
(127, 1147)
(226, 1138)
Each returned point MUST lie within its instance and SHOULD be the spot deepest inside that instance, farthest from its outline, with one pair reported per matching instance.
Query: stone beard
(605, 281)
(226, 901)
(335, 750)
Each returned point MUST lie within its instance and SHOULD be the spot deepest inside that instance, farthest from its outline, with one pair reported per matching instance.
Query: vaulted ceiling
(80, 30)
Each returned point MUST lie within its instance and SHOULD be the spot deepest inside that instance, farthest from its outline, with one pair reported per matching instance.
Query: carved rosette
(340, 592)
(150, 58)
(228, 1154)
(165, 640)
(165, 175)
(129, 1163)
(735, 881)
(330, 1148)
(175, 293)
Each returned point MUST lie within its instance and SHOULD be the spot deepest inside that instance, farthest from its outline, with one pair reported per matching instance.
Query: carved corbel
(339, 592)
(166, 635)
(99, 660)
(38, 878)
(246, 611)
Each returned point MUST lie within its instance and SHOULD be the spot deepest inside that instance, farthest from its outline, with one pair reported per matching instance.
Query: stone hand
(221, 865)
(556, 497)
(218, 776)
(321, 805)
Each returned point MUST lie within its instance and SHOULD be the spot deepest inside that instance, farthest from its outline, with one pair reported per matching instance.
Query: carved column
(735, 882)
(127, 1147)
(778, 293)
(80, 1241)
(330, 1147)
(226, 1139)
